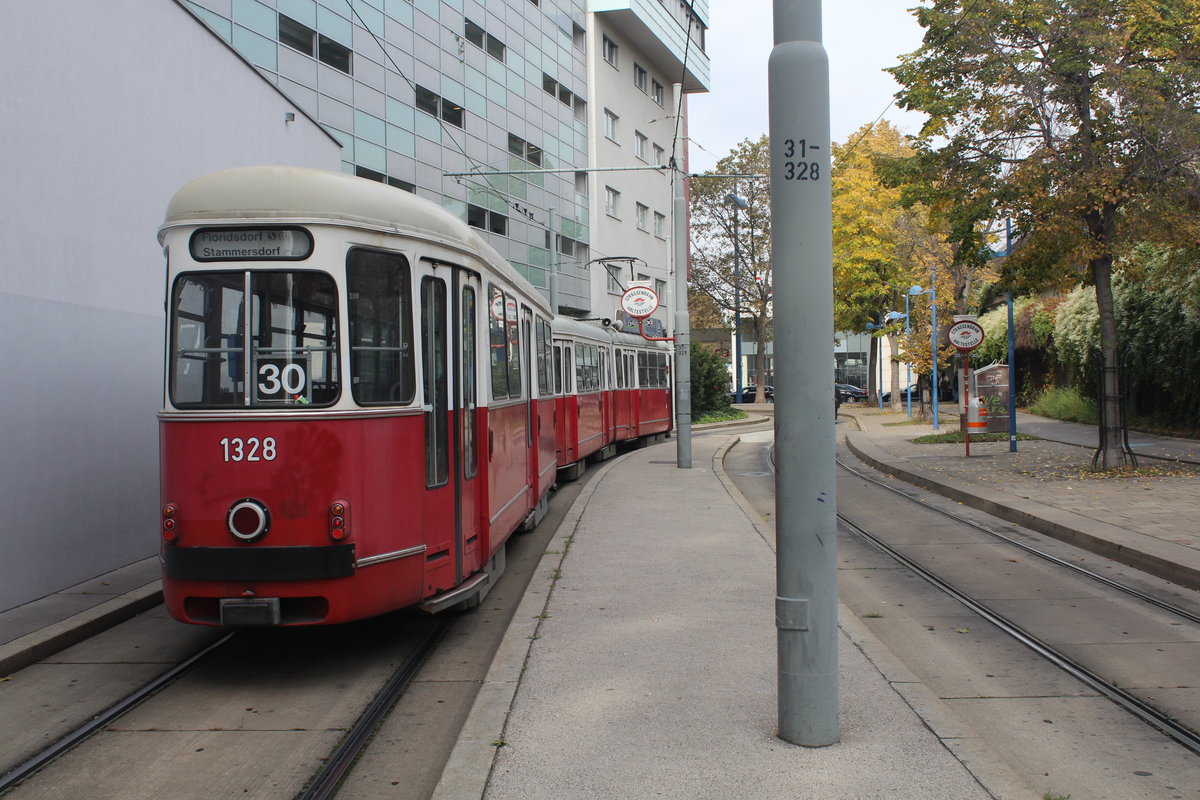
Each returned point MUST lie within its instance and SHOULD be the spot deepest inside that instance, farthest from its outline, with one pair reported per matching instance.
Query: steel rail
(43, 757)
(1130, 703)
(326, 783)
(1129, 590)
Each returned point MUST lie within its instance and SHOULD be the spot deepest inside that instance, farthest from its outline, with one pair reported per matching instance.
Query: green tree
(1079, 118)
(747, 290)
(710, 381)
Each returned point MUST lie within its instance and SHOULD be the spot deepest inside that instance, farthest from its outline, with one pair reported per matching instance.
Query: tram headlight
(248, 520)
(339, 515)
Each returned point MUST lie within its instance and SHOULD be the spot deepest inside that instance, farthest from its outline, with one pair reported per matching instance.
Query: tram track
(1162, 720)
(1096, 675)
(72, 738)
(1145, 597)
(327, 782)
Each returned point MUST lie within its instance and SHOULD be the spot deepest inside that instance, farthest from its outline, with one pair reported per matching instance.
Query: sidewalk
(1148, 520)
(642, 664)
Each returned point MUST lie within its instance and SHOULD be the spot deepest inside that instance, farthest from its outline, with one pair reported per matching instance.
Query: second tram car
(363, 401)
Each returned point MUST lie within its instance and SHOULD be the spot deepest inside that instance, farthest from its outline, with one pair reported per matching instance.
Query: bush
(1067, 405)
(710, 381)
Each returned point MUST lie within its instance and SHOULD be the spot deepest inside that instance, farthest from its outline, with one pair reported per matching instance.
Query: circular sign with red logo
(966, 335)
(639, 302)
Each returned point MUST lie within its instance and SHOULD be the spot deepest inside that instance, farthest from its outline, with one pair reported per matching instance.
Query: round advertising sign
(965, 335)
(639, 302)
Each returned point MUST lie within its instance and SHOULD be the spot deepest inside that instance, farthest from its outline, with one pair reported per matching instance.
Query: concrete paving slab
(1085, 748)
(257, 765)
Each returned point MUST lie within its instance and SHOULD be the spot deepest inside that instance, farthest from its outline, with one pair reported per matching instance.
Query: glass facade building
(484, 110)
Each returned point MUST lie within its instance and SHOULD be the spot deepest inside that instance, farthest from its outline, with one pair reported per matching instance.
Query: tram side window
(644, 370)
(558, 371)
(545, 357)
(381, 355)
(293, 354)
(498, 344)
(514, 347)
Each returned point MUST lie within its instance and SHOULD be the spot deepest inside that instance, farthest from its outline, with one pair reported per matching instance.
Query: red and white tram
(363, 401)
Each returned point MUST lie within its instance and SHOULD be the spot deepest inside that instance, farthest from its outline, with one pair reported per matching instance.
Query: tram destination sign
(251, 244)
(966, 335)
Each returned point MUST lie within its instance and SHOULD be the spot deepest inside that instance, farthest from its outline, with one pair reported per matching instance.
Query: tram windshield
(292, 357)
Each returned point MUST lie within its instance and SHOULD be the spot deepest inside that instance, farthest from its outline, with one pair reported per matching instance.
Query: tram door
(449, 300)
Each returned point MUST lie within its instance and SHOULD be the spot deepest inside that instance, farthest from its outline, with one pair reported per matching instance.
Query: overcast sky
(862, 37)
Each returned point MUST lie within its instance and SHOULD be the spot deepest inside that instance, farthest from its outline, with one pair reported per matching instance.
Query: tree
(1078, 118)
(868, 266)
(713, 270)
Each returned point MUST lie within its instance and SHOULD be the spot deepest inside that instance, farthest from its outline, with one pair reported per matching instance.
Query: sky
(862, 37)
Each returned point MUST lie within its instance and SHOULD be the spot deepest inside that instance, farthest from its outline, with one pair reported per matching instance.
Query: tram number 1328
(252, 449)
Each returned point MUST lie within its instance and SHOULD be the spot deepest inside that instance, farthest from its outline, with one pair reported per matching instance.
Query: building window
(612, 202)
(659, 156)
(482, 39)
(639, 145)
(660, 289)
(579, 37)
(431, 103)
(610, 124)
(660, 224)
(640, 77)
(297, 36)
(657, 92)
(610, 51)
(581, 183)
(614, 278)
(399, 184)
(335, 55)
(530, 152)
(643, 217)
(480, 217)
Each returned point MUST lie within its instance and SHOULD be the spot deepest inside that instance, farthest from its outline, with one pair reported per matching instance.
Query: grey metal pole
(908, 378)
(737, 306)
(1012, 382)
(683, 332)
(934, 340)
(805, 492)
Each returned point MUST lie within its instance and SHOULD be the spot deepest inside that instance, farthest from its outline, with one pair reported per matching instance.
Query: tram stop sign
(639, 302)
(966, 335)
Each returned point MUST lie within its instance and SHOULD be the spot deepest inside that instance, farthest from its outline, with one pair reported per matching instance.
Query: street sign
(639, 302)
(966, 335)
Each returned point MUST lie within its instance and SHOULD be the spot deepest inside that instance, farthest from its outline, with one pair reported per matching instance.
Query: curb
(469, 768)
(33, 647)
(1154, 556)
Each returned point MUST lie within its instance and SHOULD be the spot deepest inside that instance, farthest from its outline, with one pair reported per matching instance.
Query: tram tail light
(339, 521)
(170, 525)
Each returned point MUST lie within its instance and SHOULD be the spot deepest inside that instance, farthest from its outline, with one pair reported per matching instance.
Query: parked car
(749, 393)
(848, 392)
(913, 390)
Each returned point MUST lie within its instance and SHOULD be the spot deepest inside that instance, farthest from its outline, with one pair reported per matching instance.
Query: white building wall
(107, 109)
(618, 165)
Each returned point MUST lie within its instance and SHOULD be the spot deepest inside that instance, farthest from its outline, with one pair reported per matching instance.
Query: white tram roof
(305, 195)
(570, 326)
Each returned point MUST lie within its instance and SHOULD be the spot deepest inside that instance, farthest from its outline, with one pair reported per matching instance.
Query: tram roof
(571, 326)
(304, 194)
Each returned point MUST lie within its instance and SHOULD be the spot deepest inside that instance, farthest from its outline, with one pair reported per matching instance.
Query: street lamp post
(932, 292)
(737, 202)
